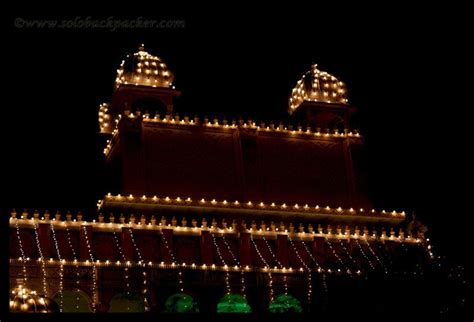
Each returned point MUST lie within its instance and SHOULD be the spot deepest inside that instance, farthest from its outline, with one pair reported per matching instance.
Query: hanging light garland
(227, 275)
(336, 255)
(144, 273)
(122, 256)
(270, 278)
(285, 282)
(346, 251)
(237, 262)
(308, 269)
(43, 266)
(365, 255)
(180, 274)
(22, 252)
(61, 269)
(377, 257)
(73, 251)
(94, 269)
(310, 255)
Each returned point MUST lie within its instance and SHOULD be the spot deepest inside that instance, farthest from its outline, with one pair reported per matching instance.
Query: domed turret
(144, 69)
(317, 86)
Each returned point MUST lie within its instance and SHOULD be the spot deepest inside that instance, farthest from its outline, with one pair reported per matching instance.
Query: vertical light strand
(376, 257)
(61, 268)
(365, 255)
(78, 290)
(180, 274)
(43, 265)
(122, 256)
(356, 265)
(311, 255)
(22, 251)
(237, 262)
(325, 287)
(308, 269)
(94, 269)
(336, 255)
(285, 282)
(227, 275)
(144, 273)
(270, 279)
(126, 275)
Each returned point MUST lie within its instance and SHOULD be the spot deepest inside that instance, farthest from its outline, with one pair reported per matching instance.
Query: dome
(23, 299)
(317, 86)
(144, 69)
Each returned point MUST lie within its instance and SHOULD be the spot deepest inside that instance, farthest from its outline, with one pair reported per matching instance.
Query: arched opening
(123, 303)
(285, 304)
(180, 303)
(233, 303)
(73, 301)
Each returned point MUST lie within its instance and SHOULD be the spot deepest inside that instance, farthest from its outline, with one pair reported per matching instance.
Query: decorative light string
(122, 256)
(61, 269)
(22, 251)
(376, 257)
(270, 279)
(237, 262)
(180, 274)
(227, 275)
(365, 255)
(336, 255)
(308, 269)
(285, 282)
(43, 266)
(94, 269)
(353, 261)
(311, 255)
(78, 290)
(325, 286)
(144, 273)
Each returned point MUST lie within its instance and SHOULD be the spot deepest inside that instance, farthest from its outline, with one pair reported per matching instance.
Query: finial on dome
(142, 47)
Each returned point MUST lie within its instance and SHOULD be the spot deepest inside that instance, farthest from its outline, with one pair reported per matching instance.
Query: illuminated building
(221, 215)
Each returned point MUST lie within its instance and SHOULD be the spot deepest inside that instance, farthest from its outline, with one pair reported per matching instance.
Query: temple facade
(217, 215)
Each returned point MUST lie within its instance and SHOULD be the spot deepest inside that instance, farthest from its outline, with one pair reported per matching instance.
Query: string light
(270, 279)
(227, 282)
(126, 275)
(236, 204)
(335, 254)
(285, 283)
(78, 291)
(310, 255)
(43, 266)
(22, 252)
(365, 255)
(237, 262)
(61, 268)
(376, 257)
(144, 273)
(180, 274)
(94, 269)
(308, 269)
(356, 265)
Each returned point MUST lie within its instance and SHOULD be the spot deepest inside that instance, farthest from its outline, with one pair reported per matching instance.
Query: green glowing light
(233, 303)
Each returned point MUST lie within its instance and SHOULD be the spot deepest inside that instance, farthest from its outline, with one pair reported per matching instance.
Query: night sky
(405, 71)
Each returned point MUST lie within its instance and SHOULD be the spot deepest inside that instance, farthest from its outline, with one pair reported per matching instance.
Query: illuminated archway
(124, 302)
(180, 303)
(74, 301)
(285, 304)
(233, 303)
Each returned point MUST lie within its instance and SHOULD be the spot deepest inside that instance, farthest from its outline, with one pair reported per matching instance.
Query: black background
(406, 70)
